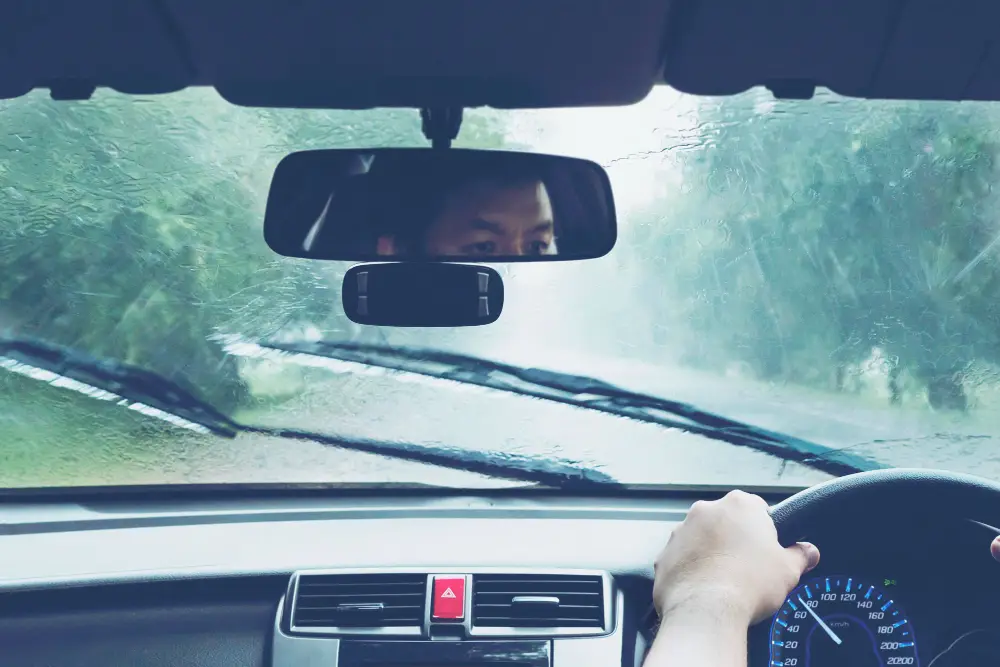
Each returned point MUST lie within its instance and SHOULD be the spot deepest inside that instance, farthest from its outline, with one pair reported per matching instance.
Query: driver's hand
(726, 557)
(995, 548)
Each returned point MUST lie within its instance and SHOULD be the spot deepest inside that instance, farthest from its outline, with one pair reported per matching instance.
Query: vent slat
(538, 590)
(383, 620)
(581, 601)
(563, 607)
(361, 596)
(361, 587)
(387, 608)
(569, 598)
(324, 601)
(503, 622)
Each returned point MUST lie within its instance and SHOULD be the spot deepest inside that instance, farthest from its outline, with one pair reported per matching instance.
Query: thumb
(995, 548)
(805, 556)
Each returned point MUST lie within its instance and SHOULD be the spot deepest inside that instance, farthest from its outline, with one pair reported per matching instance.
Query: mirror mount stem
(441, 125)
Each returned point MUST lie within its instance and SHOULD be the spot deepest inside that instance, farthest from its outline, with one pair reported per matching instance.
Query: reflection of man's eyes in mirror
(539, 240)
(494, 219)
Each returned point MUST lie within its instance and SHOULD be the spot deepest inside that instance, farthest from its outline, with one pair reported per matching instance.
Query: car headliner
(501, 53)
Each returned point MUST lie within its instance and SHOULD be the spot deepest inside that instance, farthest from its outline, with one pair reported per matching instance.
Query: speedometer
(836, 621)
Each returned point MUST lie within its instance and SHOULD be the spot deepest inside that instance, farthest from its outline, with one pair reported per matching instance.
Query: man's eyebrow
(546, 226)
(486, 225)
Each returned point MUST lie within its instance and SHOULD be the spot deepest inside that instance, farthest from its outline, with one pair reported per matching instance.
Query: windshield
(826, 269)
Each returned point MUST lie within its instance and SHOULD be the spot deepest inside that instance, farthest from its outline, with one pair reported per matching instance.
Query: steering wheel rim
(930, 492)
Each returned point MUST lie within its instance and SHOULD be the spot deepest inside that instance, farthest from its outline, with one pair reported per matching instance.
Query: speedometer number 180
(836, 621)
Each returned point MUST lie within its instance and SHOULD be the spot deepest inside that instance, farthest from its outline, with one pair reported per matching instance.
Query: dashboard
(438, 579)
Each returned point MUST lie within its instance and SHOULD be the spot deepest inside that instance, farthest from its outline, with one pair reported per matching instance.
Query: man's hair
(412, 196)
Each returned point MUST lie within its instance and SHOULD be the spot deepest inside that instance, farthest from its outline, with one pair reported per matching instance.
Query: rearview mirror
(444, 205)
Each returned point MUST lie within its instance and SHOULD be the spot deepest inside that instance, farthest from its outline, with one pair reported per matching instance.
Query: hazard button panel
(449, 598)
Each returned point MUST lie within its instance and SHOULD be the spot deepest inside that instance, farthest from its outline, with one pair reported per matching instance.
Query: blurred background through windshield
(824, 268)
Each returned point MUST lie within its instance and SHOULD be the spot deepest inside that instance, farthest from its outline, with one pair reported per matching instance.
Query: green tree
(132, 226)
(807, 237)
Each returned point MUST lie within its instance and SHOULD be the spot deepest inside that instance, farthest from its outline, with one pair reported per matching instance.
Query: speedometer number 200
(835, 621)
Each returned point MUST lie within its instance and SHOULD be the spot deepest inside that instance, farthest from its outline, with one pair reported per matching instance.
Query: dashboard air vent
(359, 601)
(537, 601)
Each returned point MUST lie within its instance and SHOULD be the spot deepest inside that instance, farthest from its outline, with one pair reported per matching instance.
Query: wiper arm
(156, 396)
(584, 392)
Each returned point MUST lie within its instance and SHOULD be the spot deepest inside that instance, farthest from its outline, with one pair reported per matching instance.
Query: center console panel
(472, 617)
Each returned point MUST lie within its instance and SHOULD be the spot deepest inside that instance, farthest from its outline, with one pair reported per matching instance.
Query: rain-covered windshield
(826, 269)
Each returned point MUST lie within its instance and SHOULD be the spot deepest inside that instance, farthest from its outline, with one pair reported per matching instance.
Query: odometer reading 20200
(838, 621)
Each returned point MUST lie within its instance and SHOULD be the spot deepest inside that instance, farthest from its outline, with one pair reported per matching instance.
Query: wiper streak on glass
(57, 380)
(584, 392)
(156, 396)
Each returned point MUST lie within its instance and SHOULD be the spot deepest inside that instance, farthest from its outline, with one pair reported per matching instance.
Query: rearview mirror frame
(299, 177)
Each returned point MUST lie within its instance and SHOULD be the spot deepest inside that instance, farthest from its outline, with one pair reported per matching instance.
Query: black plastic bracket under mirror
(422, 294)
(441, 126)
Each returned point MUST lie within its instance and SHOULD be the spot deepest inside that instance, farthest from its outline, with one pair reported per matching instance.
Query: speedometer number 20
(835, 621)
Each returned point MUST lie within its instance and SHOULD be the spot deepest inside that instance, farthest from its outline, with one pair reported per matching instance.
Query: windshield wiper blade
(584, 392)
(156, 396)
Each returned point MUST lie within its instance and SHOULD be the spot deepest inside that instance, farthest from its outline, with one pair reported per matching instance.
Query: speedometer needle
(826, 628)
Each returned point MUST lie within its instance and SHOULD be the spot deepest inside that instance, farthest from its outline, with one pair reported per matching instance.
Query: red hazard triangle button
(448, 603)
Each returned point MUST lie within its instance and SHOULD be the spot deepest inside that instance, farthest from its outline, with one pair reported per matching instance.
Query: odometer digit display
(836, 621)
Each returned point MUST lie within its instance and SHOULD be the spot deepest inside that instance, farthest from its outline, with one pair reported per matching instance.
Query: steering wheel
(926, 493)
(926, 497)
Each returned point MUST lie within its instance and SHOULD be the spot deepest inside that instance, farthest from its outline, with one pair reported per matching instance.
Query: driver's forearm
(700, 633)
